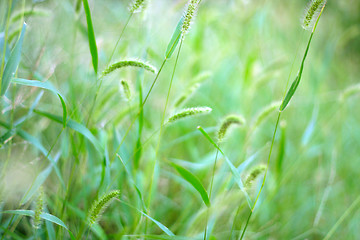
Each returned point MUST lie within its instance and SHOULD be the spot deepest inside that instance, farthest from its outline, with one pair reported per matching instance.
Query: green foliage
(288, 174)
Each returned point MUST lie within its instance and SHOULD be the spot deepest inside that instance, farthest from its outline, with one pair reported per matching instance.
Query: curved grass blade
(13, 63)
(45, 216)
(28, 13)
(47, 86)
(233, 169)
(75, 126)
(91, 36)
(64, 110)
(194, 181)
(159, 224)
(296, 82)
(36, 83)
(175, 38)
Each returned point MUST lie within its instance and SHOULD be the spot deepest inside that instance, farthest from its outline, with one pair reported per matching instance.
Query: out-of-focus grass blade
(45, 216)
(233, 169)
(310, 127)
(36, 83)
(75, 126)
(96, 228)
(159, 224)
(47, 86)
(131, 179)
(64, 110)
(39, 180)
(175, 38)
(13, 63)
(91, 36)
(194, 181)
(7, 52)
(160, 237)
(28, 13)
(36, 143)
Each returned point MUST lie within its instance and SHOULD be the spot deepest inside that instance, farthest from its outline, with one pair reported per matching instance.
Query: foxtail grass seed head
(187, 94)
(100, 205)
(129, 63)
(38, 208)
(126, 89)
(312, 13)
(265, 112)
(137, 6)
(189, 15)
(188, 112)
(254, 173)
(227, 122)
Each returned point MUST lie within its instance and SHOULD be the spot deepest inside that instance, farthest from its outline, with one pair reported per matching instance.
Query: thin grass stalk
(161, 129)
(210, 192)
(282, 107)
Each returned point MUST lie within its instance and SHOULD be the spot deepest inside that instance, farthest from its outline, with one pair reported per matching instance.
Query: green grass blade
(159, 224)
(7, 51)
(64, 110)
(233, 169)
(75, 126)
(194, 181)
(45, 216)
(175, 38)
(91, 36)
(13, 63)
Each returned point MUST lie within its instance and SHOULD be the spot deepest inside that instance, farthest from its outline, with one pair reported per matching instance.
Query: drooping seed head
(312, 13)
(126, 89)
(188, 112)
(38, 208)
(189, 15)
(254, 173)
(227, 122)
(187, 94)
(265, 112)
(100, 205)
(129, 63)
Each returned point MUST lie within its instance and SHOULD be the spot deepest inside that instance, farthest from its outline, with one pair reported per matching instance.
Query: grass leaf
(80, 128)
(64, 110)
(13, 63)
(233, 169)
(194, 181)
(175, 38)
(91, 36)
(45, 216)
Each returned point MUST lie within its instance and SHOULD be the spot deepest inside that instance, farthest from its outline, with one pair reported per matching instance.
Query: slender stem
(138, 114)
(161, 130)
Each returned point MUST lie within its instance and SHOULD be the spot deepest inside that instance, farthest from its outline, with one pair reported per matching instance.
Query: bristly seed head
(227, 122)
(126, 89)
(129, 63)
(254, 173)
(312, 12)
(188, 112)
(39, 208)
(189, 15)
(137, 6)
(100, 205)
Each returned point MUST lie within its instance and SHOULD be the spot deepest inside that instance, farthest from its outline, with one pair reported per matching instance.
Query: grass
(100, 103)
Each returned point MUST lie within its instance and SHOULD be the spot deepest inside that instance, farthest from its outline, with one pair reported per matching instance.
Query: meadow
(182, 119)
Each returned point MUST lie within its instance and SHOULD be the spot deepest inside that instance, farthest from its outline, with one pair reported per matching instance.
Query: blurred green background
(241, 52)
